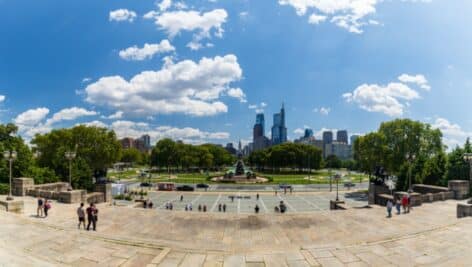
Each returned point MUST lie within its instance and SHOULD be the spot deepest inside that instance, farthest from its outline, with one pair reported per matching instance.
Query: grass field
(318, 177)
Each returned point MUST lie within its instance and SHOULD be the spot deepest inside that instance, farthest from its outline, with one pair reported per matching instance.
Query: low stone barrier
(425, 189)
(460, 188)
(464, 210)
(15, 206)
(95, 197)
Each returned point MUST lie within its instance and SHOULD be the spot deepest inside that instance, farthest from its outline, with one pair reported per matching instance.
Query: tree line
(405, 147)
(287, 155)
(179, 156)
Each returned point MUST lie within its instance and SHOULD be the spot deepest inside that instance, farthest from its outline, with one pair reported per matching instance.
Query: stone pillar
(460, 188)
(105, 189)
(21, 186)
(371, 193)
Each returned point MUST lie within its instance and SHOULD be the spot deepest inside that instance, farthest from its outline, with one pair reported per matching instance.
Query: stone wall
(16, 206)
(425, 189)
(375, 190)
(464, 210)
(95, 197)
(74, 196)
(21, 185)
(106, 190)
(460, 188)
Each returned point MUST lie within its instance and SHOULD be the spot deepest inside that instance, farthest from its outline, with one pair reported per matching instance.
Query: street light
(410, 157)
(70, 155)
(10, 156)
(468, 158)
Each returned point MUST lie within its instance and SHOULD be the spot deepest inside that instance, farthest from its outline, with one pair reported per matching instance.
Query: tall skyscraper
(260, 121)
(308, 133)
(341, 136)
(279, 131)
(327, 137)
(259, 140)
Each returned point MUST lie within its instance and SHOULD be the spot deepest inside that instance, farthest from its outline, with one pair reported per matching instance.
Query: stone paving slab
(429, 236)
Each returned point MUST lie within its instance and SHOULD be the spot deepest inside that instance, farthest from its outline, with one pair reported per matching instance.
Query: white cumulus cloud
(453, 134)
(351, 15)
(186, 87)
(390, 99)
(418, 79)
(69, 114)
(204, 24)
(147, 51)
(122, 15)
(237, 93)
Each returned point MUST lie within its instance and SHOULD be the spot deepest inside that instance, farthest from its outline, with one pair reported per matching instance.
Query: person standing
(256, 209)
(398, 205)
(389, 208)
(404, 203)
(181, 198)
(219, 207)
(81, 215)
(92, 216)
(224, 207)
(257, 196)
(39, 210)
(47, 206)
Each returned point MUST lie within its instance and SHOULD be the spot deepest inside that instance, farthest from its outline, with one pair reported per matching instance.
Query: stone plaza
(309, 234)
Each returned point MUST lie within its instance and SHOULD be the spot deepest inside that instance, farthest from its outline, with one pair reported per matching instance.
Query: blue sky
(208, 66)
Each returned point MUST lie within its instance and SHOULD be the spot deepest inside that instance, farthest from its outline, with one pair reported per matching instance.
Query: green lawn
(318, 177)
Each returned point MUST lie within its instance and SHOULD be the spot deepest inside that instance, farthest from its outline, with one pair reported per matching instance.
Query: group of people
(169, 205)
(221, 208)
(147, 204)
(92, 216)
(403, 202)
(44, 205)
(282, 208)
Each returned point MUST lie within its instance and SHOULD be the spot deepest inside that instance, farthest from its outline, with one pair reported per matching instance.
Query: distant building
(259, 140)
(341, 150)
(308, 133)
(230, 148)
(127, 142)
(327, 137)
(142, 144)
(341, 136)
(279, 130)
(310, 140)
(260, 121)
(354, 138)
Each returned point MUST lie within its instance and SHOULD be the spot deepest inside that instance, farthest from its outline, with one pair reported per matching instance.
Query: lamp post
(70, 155)
(468, 158)
(410, 157)
(10, 156)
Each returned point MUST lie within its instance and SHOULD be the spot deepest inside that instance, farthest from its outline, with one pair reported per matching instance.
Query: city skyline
(198, 71)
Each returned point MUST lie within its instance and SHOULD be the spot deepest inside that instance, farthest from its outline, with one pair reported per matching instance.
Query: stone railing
(95, 197)
(425, 189)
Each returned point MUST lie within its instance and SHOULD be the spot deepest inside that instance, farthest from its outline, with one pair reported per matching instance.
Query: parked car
(202, 186)
(285, 186)
(349, 184)
(185, 188)
(146, 184)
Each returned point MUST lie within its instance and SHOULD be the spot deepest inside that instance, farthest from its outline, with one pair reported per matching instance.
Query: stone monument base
(15, 206)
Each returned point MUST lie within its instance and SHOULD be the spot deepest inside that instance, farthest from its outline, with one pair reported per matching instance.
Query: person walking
(92, 217)
(219, 207)
(256, 209)
(404, 203)
(199, 207)
(409, 203)
(389, 208)
(81, 215)
(204, 208)
(398, 205)
(47, 206)
(181, 198)
(257, 196)
(39, 210)
(224, 207)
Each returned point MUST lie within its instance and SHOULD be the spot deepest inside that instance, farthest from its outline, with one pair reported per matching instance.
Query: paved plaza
(244, 202)
(429, 236)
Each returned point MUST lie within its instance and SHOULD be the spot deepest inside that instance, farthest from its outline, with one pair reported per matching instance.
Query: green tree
(333, 162)
(457, 168)
(131, 155)
(96, 150)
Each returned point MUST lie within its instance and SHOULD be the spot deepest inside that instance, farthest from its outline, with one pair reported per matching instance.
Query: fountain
(239, 174)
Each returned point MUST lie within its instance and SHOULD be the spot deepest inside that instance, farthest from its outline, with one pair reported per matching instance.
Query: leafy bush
(4, 189)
